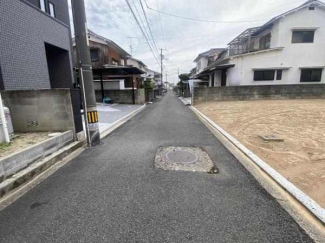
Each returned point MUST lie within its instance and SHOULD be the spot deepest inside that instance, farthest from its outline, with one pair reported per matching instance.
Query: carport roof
(118, 70)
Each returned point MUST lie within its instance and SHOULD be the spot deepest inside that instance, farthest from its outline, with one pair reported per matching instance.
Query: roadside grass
(4, 146)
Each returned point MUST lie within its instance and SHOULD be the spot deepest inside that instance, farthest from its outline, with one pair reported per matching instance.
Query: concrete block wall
(40, 110)
(231, 93)
(124, 96)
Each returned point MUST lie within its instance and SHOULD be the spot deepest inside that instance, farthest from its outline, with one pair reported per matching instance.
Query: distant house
(104, 52)
(110, 69)
(206, 58)
(202, 61)
(133, 62)
(136, 63)
(288, 49)
(150, 74)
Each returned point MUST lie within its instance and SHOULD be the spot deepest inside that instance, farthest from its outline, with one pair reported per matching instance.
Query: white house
(288, 49)
(136, 63)
(205, 58)
(151, 74)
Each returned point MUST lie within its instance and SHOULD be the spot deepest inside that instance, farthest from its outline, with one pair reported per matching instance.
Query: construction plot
(287, 134)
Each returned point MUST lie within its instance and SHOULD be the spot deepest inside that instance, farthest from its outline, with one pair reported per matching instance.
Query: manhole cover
(180, 156)
(184, 158)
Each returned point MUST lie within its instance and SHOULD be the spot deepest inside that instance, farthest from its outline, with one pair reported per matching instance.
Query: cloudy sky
(181, 39)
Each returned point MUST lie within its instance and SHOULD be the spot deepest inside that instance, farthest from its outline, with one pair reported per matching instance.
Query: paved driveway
(112, 193)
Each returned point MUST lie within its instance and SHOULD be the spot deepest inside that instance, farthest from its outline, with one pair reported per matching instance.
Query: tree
(184, 76)
(149, 84)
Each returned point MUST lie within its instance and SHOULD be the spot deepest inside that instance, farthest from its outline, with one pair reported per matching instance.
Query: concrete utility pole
(161, 64)
(85, 72)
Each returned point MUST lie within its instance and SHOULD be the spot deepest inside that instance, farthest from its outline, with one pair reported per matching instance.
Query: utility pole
(178, 74)
(161, 64)
(131, 48)
(85, 72)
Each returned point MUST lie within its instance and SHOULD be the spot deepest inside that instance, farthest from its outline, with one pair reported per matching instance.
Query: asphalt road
(112, 193)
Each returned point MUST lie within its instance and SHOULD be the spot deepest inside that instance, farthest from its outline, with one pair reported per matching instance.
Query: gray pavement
(112, 193)
(108, 114)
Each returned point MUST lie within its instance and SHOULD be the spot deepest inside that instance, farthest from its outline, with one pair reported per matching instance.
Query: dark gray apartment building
(35, 50)
(35, 45)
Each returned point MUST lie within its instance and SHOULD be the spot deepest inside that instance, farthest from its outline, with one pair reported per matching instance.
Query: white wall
(293, 55)
(110, 85)
(203, 64)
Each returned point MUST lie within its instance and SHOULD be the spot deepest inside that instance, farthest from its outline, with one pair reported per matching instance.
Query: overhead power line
(153, 53)
(145, 15)
(205, 20)
(145, 28)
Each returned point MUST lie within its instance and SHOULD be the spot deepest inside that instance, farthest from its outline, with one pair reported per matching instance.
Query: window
(42, 5)
(94, 55)
(305, 36)
(265, 42)
(311, 75)
(52, 9)
(264, 75)
(278, 74)
(115, 61)
(252, 46)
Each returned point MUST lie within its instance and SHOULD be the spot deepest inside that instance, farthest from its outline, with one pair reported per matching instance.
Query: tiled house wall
(24, 32)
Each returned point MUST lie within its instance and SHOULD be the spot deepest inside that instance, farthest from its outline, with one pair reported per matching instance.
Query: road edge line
(300, 196)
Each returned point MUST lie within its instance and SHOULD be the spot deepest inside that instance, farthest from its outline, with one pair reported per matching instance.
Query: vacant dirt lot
(22, 141)
(301, 123)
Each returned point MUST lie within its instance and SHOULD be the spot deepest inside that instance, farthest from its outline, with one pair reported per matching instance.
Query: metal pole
(102, 85)
(85, 107)
(133, 96)
(4, 122)
(86, 74)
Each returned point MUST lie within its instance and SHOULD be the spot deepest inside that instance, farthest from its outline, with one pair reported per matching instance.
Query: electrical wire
(141, 30)
(145, 15)
(204, 20)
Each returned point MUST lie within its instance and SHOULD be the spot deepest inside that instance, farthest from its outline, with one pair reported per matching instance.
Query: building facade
(103, 52)
(35, 50)
(288, 49)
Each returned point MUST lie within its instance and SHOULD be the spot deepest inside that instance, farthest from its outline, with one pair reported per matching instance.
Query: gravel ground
(301, 123)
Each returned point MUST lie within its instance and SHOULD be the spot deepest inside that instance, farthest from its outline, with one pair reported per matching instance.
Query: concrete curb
(300, 196)
(120, 122)
(185, 102)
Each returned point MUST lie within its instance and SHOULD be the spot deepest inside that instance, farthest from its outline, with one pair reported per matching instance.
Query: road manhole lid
(181, 156)
(184, 158)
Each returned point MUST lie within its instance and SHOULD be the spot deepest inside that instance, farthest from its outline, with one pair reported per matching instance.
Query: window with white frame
(42, 5)
(265, 42)
(267, 75)
(311, 75)
(303, 36)
(52, 9)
